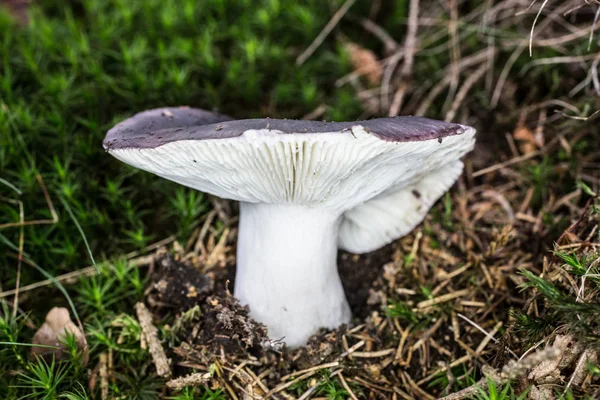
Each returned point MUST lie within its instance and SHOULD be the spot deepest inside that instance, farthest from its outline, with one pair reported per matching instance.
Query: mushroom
(305, 188)
(53, 333)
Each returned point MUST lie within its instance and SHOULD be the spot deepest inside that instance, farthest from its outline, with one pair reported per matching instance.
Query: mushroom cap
(152, 128)
(369, 170)
(160, 126)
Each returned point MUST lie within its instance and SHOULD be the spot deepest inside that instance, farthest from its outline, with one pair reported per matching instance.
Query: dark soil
(177, 285)
(358, 272)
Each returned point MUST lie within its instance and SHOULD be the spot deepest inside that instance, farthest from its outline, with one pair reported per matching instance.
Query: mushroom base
(287, 271)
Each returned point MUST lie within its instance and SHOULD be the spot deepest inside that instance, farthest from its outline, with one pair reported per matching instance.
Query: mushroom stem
(287, 271)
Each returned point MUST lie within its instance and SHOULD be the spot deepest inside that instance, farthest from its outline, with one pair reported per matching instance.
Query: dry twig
(161, 362)
(326, 31)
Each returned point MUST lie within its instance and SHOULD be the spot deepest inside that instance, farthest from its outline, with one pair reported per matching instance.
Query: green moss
(78, 68)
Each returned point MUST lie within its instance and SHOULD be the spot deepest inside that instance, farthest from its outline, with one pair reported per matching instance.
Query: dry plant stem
(388, 41)
(448, 367)
(462, 93)
(488, 19)
(103, 372)
(560, 60)
(466, 62)
(416, 388)
(373, 354)
(228, 388)
(286, 385)
(504, 75)
(91, 270)
(443, 298)
(593, 28)
(308, 393)
(454, 52)
(351, 350)
(589, 356)
(554, 42)
(194, 380)
(312, 369)
(256, 380)
(20, 259)
(20, 252)
(347, 387)
(161, 362)
(563, 8)
(21, 224)
(326, 31)
(410, 47)
(489, 336)
(70, 276)
(54, 219)
(533, 27)
(198, 247)
(512, 161)
(388, 72)
(517, 160)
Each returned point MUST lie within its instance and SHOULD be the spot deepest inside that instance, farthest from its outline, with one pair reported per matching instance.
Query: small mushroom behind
(54, 332)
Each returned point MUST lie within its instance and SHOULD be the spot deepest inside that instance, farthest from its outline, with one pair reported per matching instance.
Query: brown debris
(527, 138)
(365, 62)
(196, 379)
(19, 9)
(177, 284)
(54, 332)
(103, 372)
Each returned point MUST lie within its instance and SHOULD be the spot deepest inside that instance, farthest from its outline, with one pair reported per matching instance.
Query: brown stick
(161, 362)
(54, 219)
(195, 379)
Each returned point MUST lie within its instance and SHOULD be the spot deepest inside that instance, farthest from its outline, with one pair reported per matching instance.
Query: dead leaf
(365, 62)
(526, 139)
(548, 370)
(54, 332)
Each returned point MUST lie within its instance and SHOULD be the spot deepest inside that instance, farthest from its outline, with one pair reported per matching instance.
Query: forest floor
(493, 296)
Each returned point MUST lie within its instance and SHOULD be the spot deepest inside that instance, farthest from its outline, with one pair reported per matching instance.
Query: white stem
(287, 270)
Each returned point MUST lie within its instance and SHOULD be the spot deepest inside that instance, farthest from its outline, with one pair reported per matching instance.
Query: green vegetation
(67, 77)
(493, 392)
(80, 67)
(73, 72)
